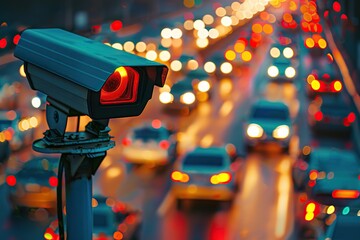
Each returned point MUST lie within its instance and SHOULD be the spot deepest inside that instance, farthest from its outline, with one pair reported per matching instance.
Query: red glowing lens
(120, 87)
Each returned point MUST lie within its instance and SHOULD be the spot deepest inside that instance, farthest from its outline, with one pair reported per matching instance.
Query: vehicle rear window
(100, 220)
(273, 113)
(146, 134)
(208, 161)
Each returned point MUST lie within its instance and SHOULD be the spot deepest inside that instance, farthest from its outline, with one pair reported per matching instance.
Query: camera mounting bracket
(94, 139)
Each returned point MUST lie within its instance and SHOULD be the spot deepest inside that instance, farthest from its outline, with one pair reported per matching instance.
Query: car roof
(207, 151)
(270, 104)
(324, 157)
(344, 227)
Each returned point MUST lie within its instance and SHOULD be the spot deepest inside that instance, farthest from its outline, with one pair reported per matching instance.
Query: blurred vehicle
(150, 143)
(323, 82)
(181, 97)
(326, 170)
(205, 173)
(9, 94)
(334, 177)
(343, 225)
(331, 114)
(281, 52)
(202, 84)
(282, 69)
(34, 185)
(317, 46)
(112, 219)
(268, 122)
(18, 131)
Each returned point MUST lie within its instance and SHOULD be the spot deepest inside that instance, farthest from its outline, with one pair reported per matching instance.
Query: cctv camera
(87, 76)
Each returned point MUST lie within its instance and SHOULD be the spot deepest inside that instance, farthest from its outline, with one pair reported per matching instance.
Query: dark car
(323, 82)
(182, 96)
(151, 143)
(331, 114)
(112, 219)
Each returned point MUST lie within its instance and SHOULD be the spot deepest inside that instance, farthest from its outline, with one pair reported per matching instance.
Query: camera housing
(87, 76)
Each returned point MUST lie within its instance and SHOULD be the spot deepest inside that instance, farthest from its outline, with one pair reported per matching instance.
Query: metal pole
(79, 210)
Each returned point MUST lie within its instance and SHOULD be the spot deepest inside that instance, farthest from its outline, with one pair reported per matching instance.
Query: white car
(205, 173)
(150, 143)
(268, 122)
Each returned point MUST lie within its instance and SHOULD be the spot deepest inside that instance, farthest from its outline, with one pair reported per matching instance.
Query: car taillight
(53, 181)
(336, 86)
(349, 119)
(126, 141)
(345, 194)
(118, 235)
(164, 144)
(221, 178)
(50, 234)
(11, 180)
(178, 176)
(121, 87)
(311, 210)
(318, 116)
(313, 174)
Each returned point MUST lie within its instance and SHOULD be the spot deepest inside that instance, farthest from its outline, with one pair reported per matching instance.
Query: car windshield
(146, 134)
(4, 123)
(100, 220)
(270, 113)
(204, 160)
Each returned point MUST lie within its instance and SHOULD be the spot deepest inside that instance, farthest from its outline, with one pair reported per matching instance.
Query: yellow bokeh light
(330, 209)
(151, 55)
(164, 55)
(189, 25)
(267, 28)
(337, 86)
(202, 43)
(256, 28)
(309, 42)
(176, 65)
(315, 84)
(246, 56)
(129, 46)
(239, 47)
(220, 12)
(208, 19)
(230, 55)
(226, 68)
(140, 47)
(209, 67)
(322, 43)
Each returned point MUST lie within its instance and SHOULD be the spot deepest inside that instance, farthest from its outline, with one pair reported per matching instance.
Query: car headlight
(288, 52)
(166, 97)
(254, 130)
(187, 98)
(273, 71)
(204, 86)
(274, 52)
(281, 132)
(290, 72)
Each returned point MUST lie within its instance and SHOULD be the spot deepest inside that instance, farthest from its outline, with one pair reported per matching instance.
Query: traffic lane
(263, 209)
